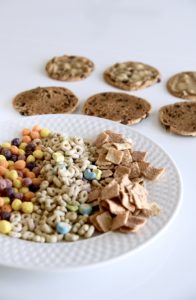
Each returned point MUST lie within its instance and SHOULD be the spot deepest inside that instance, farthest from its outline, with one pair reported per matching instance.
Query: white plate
(63, 256)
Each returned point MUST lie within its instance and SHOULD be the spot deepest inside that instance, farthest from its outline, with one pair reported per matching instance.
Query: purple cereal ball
(27, 153)
(10, 193)
(33, 188)
(7, 153)
(14, 157)
(4, 215)
(26, 181)
(31, 165)
(3, 184)
(30, 147)
(20, 174)
(18, 195)
(36, 170)
(15, 142)
(8, 183)
(21, 157)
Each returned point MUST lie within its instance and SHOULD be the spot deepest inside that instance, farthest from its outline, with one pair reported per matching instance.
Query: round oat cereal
(183, 85)
(179, 118)
(69, 68)
(120, 107)
(45, 100)
(131, 76)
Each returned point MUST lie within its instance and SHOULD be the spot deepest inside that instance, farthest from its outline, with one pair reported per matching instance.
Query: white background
(161, 33)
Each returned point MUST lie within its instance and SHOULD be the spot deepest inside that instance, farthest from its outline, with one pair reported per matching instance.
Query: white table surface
(161, 33)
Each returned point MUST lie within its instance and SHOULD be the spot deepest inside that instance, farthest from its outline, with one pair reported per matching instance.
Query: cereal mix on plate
(54, 187)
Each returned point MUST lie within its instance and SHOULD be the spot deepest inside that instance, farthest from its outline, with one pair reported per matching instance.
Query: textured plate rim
(131, 251)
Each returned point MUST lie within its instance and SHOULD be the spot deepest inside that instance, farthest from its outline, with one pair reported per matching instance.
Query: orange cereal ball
(19, 164)
(14, 149)
(25, 131)
(4, 163)
(30, 175)
(2, 201)
(26, 139)
(36, 181)
(36, 128)
(28, 196)
(35, 135)
(6, 208)
(3, 171)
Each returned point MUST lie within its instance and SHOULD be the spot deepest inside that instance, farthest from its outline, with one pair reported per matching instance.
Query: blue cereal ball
(89, 175)
(63, 228)
(85, 209)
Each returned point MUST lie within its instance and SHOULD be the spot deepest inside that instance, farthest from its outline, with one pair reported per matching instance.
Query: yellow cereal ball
(13, 175)
(44, 132)
(38, 154)
(23, 146)
(16, 204)
(5, 226)
(21, 152)
(6, 145)
(27, 207)
(17, 183)
(11, 163)
(6, 200)
(2, 157)
(6, 174)
(30, 158)
(24, 189)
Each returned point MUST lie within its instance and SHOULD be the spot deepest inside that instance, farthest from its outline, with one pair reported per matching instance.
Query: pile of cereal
(55, 188)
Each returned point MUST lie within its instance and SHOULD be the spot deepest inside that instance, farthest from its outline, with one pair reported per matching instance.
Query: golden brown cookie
(45, 100)
(120, 107)
(131, 76)
(179, 118)
(183, 85)
(69, 68)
